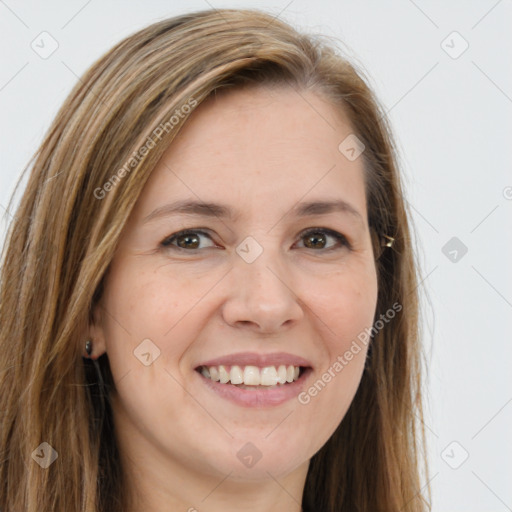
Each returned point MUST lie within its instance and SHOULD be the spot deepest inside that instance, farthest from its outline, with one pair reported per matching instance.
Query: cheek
(144, 305)
(150, 322)
(345, 311)
(345, 303)
(155, 310)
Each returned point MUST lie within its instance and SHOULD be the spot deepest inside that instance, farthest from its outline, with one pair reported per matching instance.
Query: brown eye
(317, 238)
(188, 241)
(185, 240)
(315, 241)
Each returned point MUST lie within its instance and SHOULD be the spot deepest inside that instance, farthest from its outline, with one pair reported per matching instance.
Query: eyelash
(341, 239)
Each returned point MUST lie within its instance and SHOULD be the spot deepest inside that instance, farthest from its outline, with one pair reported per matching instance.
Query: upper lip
(255, 359)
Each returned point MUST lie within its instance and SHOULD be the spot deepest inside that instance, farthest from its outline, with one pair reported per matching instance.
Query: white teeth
(214, 373)
(281, 374)
(268, 376)
(223, 375)
(235, 375)
(252, 375)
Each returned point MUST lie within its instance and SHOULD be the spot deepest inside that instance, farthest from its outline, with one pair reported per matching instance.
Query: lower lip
(258, 397)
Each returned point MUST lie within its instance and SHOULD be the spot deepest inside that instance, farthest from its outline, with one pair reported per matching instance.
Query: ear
(96, 332)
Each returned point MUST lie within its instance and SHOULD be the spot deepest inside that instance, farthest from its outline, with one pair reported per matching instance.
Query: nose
(262, 296)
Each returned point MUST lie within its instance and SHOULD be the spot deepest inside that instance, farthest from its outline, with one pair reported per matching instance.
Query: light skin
(259, 151)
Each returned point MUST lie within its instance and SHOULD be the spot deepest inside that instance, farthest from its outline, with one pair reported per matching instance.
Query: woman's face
(247, 287)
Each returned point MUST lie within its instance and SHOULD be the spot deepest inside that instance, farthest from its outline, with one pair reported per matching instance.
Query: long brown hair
(85, 179)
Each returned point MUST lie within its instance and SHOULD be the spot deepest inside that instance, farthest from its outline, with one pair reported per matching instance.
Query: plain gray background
(450, 108)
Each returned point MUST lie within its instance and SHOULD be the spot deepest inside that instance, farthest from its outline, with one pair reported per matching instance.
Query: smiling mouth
(253, 377)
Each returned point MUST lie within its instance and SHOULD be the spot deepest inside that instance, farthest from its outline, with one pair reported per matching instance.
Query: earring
(88, 347)
(389, 241)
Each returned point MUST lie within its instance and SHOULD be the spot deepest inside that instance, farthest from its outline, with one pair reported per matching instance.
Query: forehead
(258, 147)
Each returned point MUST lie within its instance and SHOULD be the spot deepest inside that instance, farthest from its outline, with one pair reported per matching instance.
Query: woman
(208, 294)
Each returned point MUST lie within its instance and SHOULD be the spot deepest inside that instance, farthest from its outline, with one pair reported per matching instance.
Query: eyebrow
(209, 209)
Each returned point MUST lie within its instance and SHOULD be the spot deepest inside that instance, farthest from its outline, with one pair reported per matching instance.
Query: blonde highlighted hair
(85, 179)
